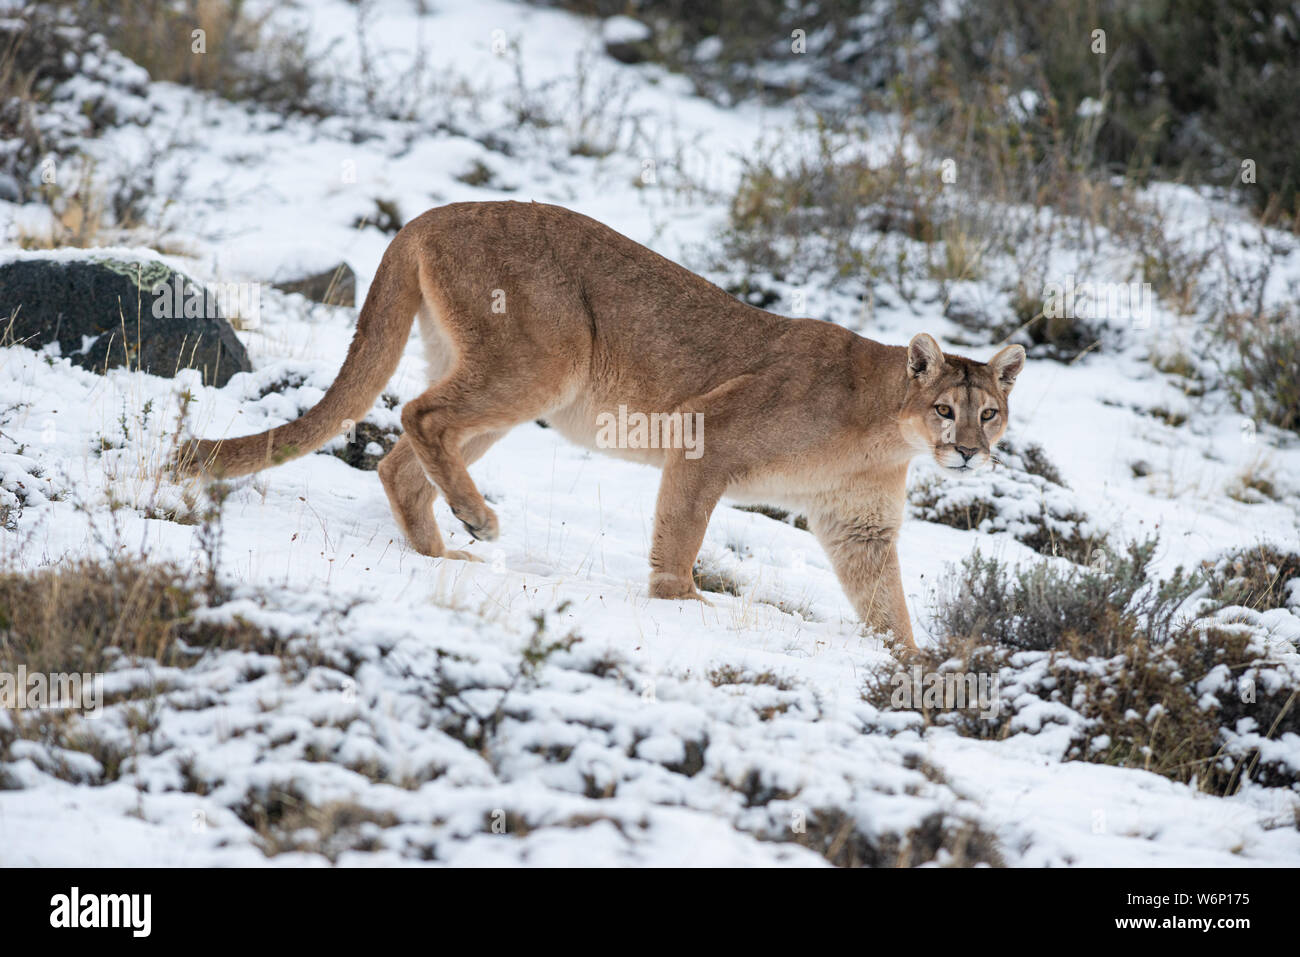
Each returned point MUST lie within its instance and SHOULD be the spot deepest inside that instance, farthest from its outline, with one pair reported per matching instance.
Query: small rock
(336, 286)
(370, 444)
(626, 40)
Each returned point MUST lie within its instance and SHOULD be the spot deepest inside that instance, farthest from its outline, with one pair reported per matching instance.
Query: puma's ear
(1006, 365)
(924, 357)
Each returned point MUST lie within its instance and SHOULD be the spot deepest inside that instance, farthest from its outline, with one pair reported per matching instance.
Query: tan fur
(797, 412)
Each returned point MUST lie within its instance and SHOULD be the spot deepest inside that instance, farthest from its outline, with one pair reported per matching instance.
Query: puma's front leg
(687, 498)
(864, 554)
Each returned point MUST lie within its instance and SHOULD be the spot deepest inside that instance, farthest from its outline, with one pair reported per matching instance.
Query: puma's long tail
(382, 330)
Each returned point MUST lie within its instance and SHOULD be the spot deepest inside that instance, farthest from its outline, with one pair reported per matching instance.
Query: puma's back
(548, 271)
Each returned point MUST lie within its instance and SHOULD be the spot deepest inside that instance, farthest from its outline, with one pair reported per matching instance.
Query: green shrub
(1094, 609)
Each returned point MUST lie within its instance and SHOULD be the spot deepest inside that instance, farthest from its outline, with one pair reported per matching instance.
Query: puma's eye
(944, 410)
(988, 414)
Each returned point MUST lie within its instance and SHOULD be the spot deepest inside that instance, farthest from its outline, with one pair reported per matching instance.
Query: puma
(529, 311)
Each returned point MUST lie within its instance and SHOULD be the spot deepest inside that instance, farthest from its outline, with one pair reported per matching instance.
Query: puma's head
(956, 409)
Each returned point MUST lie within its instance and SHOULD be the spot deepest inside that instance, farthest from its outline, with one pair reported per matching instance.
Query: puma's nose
(966, 452)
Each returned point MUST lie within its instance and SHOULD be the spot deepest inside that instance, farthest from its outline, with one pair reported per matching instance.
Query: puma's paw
(675, 588)
(457, 555)
(482, 524)
(902, 647)
(905, 650)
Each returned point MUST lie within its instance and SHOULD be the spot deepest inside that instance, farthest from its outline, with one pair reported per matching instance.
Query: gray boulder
(105, 314)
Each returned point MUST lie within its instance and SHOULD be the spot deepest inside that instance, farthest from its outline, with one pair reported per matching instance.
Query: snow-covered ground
(668, 733)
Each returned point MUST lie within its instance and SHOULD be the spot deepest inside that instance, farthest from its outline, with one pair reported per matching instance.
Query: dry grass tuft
(82, 616)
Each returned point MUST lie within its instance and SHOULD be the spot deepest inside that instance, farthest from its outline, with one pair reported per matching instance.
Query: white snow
(592, 752)
(621, 29)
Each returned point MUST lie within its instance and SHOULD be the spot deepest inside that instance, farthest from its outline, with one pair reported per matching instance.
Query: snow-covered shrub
(85, 618)
(287, 821)
(817, 203)
(22, 484)
(1266, 372)
(1023, 495)
(1259, 577)
(1181, 94)
(732, 675)
(59, 83)
(822, 204)
(245, 55)
(1094, 609)
(1187, 95)
(1027, 313)
(730, 50)
(940, 839)
(1112, 657)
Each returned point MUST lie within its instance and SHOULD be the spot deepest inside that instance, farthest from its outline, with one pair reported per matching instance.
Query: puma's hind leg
(449, 421)
(411, 496)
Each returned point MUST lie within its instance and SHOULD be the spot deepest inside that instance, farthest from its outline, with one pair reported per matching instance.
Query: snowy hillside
(362, 704)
